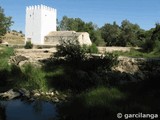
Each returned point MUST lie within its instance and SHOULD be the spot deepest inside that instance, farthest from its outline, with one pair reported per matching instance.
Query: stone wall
(132, 65)
(112, 49)
(136, 69)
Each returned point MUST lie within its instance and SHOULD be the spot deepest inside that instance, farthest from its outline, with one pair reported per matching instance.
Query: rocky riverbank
(51, 95)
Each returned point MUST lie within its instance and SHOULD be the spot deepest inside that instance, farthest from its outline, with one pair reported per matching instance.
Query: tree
(153, 39)
(110, 33)
(129, 33)
(5, 22)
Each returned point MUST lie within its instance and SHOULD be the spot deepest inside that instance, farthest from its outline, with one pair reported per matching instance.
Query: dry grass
(14, 38)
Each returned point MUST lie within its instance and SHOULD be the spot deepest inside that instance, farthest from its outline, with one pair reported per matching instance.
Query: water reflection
(2, 112)
(22, 110)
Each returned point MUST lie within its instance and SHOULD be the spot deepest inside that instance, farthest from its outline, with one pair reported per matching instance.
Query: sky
(145, 13)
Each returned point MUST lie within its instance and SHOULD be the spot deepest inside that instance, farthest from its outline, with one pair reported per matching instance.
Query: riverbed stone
(24, 92)
(10, 94)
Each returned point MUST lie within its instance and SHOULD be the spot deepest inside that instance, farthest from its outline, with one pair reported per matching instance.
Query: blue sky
(143, 12)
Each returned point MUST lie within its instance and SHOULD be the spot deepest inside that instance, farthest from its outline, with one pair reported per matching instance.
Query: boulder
(10, 94)
(17, 59)
(24, 92)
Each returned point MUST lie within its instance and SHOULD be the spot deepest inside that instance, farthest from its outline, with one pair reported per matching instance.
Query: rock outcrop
(136, 69)
(51, 95)
(10, 94)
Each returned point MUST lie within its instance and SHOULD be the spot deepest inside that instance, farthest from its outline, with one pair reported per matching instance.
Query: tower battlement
(42, 7)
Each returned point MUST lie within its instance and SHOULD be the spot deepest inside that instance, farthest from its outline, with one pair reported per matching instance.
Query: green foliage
(70, 50)
(102, 96)
(110, 34)
(157, 46)
(5, 53)
(28, 45)
(152, 38)
(138, 54)
(76, 56)
(90, 49)
(103, 103)
(127, 34)
(81, 69)
(97, 104)
(30, 78)
(5, 22)
(93, 48)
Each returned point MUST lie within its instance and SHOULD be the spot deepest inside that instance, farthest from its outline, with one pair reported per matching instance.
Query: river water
(24, 110)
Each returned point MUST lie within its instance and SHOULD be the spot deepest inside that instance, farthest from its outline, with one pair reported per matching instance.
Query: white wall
(84, 39)
(40, 20)
(48, 22)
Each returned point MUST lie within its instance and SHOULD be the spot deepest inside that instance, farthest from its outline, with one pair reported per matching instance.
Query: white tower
(40, 20)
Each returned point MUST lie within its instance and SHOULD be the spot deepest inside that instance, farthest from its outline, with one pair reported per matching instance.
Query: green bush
(90, 49)
(93, 48)
(81, 70)
(76, 56)
(28, 45)
(5, 53)
(157, 46)
(71, 51)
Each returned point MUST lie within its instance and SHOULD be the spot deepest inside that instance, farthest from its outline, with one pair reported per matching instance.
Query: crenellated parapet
(40, 7)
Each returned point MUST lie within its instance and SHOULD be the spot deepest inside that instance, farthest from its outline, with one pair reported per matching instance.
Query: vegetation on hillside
(13, 76)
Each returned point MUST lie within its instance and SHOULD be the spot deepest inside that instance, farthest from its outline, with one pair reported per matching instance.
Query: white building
(40, 20)
(54, 38)
(41, 27)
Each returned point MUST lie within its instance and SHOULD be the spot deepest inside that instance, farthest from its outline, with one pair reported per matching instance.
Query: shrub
(76, 56)
(93, 48)
(81, 70)
(70, 50)
(90, 49)
(157, 46)
(28, 45)
(5, 54)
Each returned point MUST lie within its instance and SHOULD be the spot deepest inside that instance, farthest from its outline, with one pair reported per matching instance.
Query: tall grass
(102, 96)
(5, 53)
(97, 104)
(32, 78)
